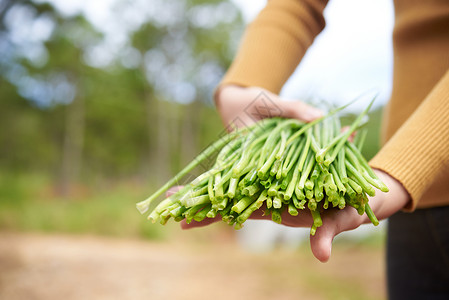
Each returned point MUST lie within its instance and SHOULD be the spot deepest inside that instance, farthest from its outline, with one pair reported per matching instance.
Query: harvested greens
(276, 164)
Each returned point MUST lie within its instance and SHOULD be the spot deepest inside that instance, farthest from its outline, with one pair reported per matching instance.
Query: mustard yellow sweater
(416, 119)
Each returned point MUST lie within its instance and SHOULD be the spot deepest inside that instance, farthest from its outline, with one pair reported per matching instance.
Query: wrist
(395, 199)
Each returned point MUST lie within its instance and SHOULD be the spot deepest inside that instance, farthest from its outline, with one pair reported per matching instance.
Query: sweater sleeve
(275, 42)
(418, 153)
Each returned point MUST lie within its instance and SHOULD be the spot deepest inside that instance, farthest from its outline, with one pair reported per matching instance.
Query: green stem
(313, 142)
(312, 205)
(262, 173)
(272, 191)
(210, 189)
(277, 202)
(318, 191)
(201, 215)
(299, 193)
(360, 179)
(341, 165)
(337, 179)
(304, 153)
(276, 216)
(372, 217)
(283, 144)
(293, 182)
(252, 208)
(144, 205)
(218, 187)
(317, 221)
(307, 170)
(191, 212)
(292, 209)
(288, 164)
(357, 188)
(232, 187)
(251, 189)
(348, 133)
(360, 139)
(286, 180)
(242, 204)
(365, 166)
(189, 202)
(310, 124)
(296, 203)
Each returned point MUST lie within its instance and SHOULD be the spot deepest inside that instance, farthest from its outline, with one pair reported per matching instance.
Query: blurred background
(103, 101)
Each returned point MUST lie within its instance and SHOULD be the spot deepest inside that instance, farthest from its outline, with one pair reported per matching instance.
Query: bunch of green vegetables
(276, 165)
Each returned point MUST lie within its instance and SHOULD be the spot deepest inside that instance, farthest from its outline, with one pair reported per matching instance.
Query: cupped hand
(243, 106)
(336, 221)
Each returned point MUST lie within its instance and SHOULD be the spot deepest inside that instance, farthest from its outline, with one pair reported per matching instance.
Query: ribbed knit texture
(417, 155)
(416, 120)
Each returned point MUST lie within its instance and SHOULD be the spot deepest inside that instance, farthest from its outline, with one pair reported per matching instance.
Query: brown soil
(36, 266)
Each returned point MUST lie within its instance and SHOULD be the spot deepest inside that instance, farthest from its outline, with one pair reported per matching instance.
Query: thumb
(321, 242)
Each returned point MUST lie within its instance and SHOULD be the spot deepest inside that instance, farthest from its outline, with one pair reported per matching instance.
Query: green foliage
(27, 139)
(115, 121)
(27, 203)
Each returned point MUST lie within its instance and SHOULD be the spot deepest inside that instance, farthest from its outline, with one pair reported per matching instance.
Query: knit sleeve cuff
(419, 151)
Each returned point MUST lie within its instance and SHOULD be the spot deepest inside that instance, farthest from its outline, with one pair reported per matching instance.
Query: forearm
(419, 151)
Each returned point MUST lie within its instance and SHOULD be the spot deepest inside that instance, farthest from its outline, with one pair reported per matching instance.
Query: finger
(321, 242)
(278, 107)
(265, 104)
(203, 223)
(303, 219)
(173, 190)
(334, 223)
(299, 110)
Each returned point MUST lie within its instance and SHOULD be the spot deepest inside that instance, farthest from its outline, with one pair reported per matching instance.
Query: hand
(243, 106)
(336, 221)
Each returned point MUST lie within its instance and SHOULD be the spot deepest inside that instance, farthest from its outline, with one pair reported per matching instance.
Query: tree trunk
(72, 146)
(190, 131)
(163, 141)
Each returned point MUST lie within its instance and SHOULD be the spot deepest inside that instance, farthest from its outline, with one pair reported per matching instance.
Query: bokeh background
(103, 101)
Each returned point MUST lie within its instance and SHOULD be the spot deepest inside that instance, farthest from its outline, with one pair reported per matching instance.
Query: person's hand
(242, 106)
(336, 221)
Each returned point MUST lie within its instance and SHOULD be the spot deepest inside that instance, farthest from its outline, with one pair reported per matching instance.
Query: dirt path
(46, 267)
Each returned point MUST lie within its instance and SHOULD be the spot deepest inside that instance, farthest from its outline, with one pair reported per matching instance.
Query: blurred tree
(184, 56)
(80, 105)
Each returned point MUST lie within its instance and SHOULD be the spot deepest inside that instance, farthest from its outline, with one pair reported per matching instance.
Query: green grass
(27, 203)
